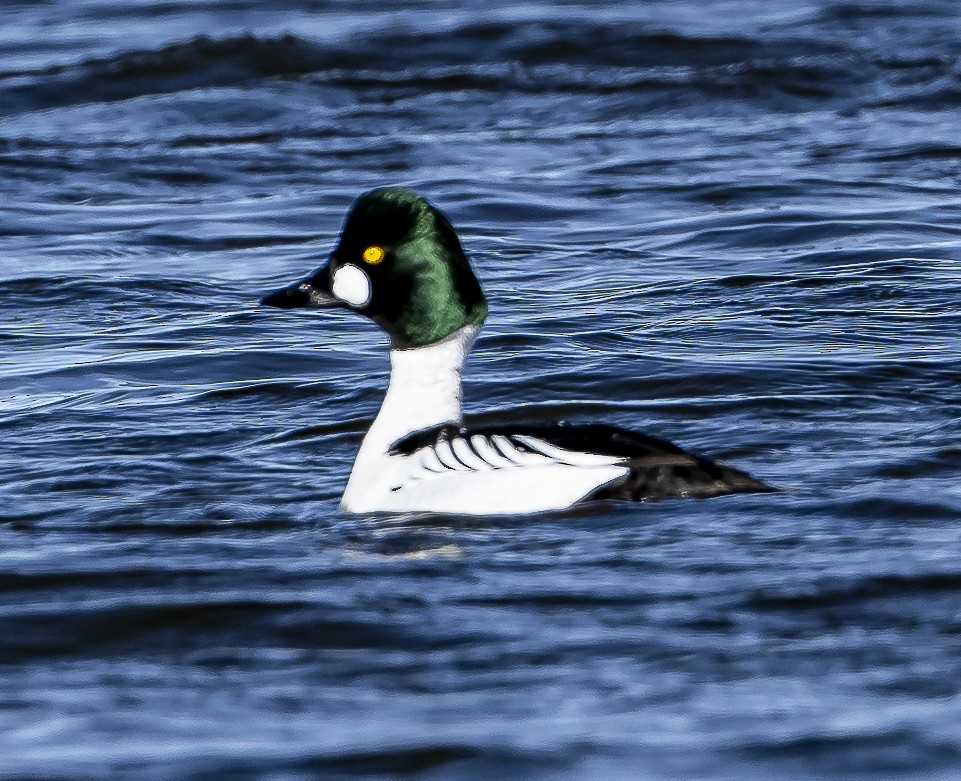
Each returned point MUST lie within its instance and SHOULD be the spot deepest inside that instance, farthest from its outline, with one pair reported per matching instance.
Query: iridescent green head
(399, 262)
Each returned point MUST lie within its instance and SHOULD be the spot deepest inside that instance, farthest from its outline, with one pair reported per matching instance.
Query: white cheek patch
(351, 285)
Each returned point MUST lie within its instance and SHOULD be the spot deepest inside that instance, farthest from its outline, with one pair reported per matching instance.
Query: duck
(400, 263)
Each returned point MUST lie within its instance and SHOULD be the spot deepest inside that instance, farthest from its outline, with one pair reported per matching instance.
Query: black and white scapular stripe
(653, 468)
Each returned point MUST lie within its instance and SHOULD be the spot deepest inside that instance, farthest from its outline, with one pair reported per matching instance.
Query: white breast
(476, 474)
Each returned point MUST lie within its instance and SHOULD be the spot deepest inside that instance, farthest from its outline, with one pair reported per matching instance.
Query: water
(728, 224)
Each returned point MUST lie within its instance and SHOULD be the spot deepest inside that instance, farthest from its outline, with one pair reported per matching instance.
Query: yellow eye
(373, 255)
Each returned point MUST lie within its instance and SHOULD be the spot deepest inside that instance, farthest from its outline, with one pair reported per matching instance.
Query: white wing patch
(572, 457)
(445, 454)
(428, 460)
(480, 453)
(518, 456)
(486, 451)
(466, 455)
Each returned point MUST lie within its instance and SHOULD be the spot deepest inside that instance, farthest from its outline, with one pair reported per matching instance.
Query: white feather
(572, 457)
(519, 456)
(483, 446)
(429, 460)
(515, 489)
(467, 456)
(447, 457)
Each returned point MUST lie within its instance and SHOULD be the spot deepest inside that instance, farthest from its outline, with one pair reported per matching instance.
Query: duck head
(399, 262)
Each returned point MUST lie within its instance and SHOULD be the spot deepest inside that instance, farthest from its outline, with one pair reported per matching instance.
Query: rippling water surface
(736, 225)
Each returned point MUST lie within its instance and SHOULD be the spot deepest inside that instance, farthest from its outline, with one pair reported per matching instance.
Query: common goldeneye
(400, 263)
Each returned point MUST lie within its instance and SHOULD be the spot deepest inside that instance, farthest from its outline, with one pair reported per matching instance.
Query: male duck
(400, 263)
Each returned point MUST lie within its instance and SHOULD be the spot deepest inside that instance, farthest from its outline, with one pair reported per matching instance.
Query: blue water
(736, 225)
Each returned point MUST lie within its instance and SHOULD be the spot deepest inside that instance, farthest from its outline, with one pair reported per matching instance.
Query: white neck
(424, 391)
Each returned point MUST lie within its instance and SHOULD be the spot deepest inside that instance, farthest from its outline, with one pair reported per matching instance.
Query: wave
(838, 594)
(195, 64)
(782, 68)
